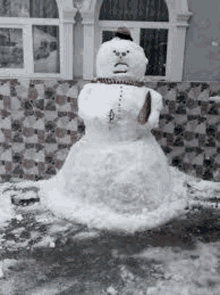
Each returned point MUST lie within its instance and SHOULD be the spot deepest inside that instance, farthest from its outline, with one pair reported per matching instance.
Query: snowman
(117, 176)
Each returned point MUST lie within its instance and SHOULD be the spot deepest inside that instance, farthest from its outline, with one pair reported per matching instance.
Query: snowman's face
(121, 59)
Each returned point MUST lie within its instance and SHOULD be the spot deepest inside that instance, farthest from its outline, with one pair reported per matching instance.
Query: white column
(176, 48)
(66, 44)
(66, 58)
(169, 61)
(181, 5)
(88, 45)
(177, 55)
(28, 50)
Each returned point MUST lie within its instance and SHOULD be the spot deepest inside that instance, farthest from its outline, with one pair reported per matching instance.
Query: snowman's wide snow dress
(117, 176)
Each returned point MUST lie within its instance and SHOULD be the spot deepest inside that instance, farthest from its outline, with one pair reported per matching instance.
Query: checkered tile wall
(39, 124)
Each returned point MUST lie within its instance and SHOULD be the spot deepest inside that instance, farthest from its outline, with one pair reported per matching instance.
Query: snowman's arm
(156, 107)
(84, 100)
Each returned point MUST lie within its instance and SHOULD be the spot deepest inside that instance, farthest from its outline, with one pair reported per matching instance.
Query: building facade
(60, 38)
(47, 53)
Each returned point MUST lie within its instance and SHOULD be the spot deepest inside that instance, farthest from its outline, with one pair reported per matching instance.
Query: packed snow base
(112, 188)
(104, 218)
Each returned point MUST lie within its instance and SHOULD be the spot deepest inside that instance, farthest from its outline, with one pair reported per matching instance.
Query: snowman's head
(121, 59)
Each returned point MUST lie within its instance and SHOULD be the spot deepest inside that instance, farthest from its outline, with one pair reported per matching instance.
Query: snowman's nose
(120, 54)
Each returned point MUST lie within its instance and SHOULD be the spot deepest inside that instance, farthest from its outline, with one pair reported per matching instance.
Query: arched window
(141, 10)
(159, 26)
(33, 38)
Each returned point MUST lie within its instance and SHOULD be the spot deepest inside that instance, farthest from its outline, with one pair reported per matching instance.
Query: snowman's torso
(118, 162)
(111, 111)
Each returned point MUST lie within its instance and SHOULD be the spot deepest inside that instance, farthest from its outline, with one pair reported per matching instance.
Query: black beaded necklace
(115, 81)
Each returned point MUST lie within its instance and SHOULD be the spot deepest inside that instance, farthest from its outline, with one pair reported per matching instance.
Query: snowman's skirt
(124, 187)
(104, 218)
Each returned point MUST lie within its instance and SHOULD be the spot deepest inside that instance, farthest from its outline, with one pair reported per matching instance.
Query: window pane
(29, 8)
(46, 49)
(14, 8)
(43, 9)
(11, 48)
(139, 10)
(154, 42)
(107, 36)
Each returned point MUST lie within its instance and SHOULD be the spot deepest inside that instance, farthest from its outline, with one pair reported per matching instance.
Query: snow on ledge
(215, 98)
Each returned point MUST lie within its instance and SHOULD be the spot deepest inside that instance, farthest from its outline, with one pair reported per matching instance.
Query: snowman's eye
(128, 51)
(114, 51)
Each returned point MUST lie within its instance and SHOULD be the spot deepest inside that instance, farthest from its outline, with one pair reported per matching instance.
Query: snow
(215, 98)
(197, 183)
(6, 210)
(104, 218)
(80, 211)
(134, 61)
(7, 190)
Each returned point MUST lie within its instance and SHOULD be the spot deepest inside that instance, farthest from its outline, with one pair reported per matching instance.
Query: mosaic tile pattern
(39, 124)
(189, 130)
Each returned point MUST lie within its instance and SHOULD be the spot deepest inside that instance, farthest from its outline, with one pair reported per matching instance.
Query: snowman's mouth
(120, 72)
(121, 68)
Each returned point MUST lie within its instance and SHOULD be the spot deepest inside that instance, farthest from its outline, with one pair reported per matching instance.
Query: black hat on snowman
(123, 33)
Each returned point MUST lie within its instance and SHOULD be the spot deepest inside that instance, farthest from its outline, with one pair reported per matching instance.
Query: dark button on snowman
(117, 176)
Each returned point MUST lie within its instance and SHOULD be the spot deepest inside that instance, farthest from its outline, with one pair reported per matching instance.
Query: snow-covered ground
(42, 254)
(215, 98)
(6, 210)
